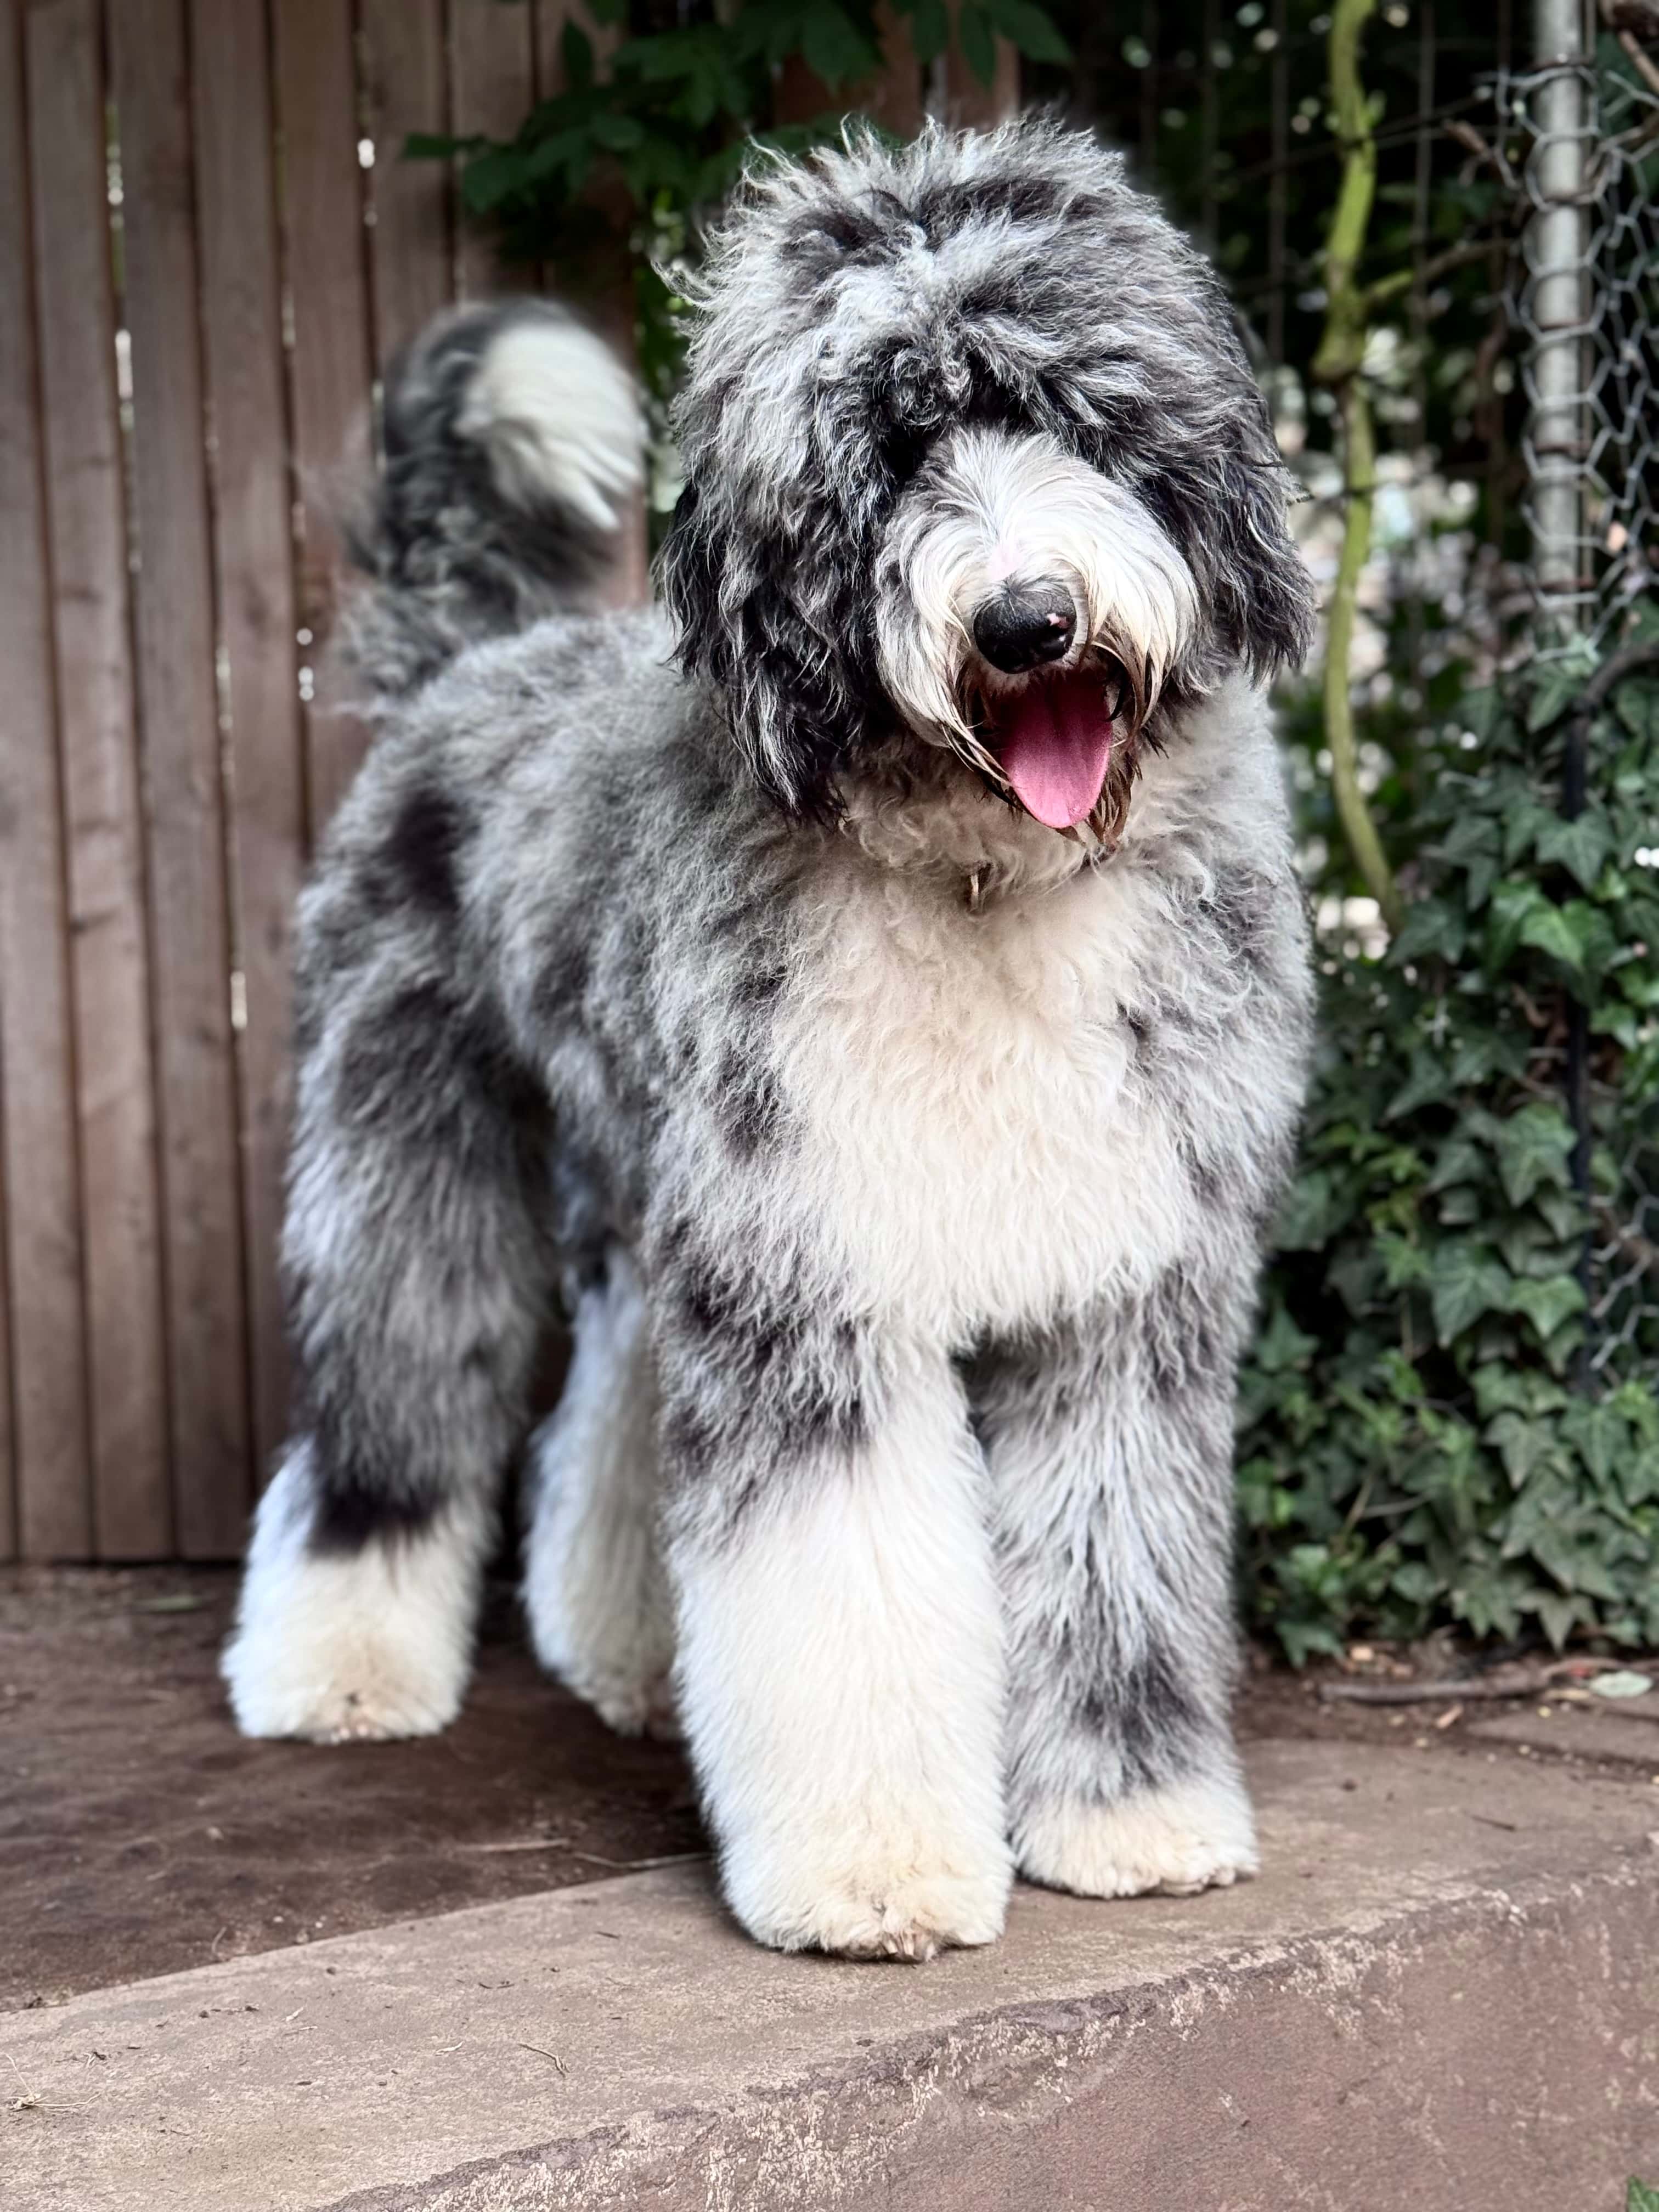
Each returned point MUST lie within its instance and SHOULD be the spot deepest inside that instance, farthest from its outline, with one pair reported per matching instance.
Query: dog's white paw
(631, 1702)
(360, 1694)
(342, 1648)
(869, 1906)
(1191, 1836)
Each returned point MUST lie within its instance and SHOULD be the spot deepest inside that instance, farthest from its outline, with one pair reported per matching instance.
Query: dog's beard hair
(988, 508)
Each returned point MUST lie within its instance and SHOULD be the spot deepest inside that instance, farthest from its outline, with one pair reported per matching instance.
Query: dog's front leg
(840, 1661)
(1109, 1447)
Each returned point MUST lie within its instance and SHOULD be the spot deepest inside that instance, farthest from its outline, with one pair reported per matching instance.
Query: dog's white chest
(976, 1142)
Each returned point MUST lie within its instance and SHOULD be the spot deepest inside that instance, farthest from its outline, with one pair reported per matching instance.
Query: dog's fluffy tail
(514, 452)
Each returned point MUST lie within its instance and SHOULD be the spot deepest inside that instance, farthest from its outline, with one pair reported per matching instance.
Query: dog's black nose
(1024, 625)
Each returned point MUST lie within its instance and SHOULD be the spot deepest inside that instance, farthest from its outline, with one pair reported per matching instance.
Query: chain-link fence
(1577, 141)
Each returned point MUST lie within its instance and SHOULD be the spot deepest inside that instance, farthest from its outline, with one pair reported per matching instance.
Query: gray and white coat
(902, 1163)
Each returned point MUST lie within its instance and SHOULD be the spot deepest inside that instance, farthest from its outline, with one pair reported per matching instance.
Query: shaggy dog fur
(902, 1160)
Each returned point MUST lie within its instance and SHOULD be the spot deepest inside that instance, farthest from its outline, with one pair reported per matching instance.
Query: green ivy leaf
(577, 49)
(930, 28)
(617, 134)
(832, 44)
(1547, 929)
(1459, 1160)
(1563, 1215)
(1426, 1085)
(1583, 846)
(1556, 1616)
(490, 178)
(1282, 1345)
(1523, 1445)
(1533, 1147)
(1031, 29)
(1431, 927)
(1547, 1304)
(1601, 1434)
(1486, 1600)
(1638, 2198)
(1513, 905)
(435, 146)
(1310, 1212)
(1555, 690)
(977, 39)
(1525, 822)
(1639, 1476)
(1467, 1279)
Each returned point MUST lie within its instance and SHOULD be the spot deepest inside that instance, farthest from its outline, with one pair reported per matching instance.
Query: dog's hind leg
(594, 1586)
(1110, 1445)
(419, 1268)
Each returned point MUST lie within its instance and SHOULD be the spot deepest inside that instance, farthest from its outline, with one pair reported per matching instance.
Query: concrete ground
(1437, 1998)
(1441, 1995)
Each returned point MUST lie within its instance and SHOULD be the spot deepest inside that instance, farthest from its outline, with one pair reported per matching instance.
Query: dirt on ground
(140, 1834)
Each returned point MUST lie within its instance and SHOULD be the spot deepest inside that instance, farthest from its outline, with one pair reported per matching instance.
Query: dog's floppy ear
(766, 597)
(1254, 581)
(1230, 497)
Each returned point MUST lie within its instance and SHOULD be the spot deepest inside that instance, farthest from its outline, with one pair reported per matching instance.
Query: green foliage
(1638, 2198)
(1421, 1436)
(640, 145)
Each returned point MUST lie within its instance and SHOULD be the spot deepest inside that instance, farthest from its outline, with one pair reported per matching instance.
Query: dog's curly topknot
(856, 306)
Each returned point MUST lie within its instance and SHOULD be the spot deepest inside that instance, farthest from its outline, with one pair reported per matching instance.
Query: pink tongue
(1055, 747)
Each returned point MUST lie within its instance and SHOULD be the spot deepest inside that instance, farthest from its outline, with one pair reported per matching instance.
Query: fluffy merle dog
(883, 1028)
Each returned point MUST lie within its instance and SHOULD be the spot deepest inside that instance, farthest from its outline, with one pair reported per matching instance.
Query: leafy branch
(641, 144)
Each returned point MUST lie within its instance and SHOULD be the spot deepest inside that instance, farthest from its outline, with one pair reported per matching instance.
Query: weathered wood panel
(253, 565)
(330, 360)
(36, 1054)
(603, 287)
(969, 104)
(405, 89)
(492, 90)
(179, 724)
(91, 618)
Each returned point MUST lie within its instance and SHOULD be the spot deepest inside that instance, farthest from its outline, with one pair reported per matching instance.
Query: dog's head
(971, 449)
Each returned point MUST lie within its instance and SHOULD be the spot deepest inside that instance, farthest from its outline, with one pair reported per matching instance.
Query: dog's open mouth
(1054, 741)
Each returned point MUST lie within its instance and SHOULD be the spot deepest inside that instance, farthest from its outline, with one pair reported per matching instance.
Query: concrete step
(1441, 1995)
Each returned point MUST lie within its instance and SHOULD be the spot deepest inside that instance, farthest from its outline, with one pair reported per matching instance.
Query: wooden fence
(208, 250)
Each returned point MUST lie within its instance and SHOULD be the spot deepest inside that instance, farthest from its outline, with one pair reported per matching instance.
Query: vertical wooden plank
(894, 100)
(970, 105)
(328, 364)
(892, 97)
(37, 1117)
(86, 521)
(492, 91)
(405, 87)
(207, 1342)
(253, 566)
(8, 1456)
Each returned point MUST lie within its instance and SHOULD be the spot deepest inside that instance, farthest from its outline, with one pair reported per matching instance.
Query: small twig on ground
(639, 1866)
(1502, 1682)
(540, 2053)
(521, 1843)
(1419, 1693)
(31, 2100)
